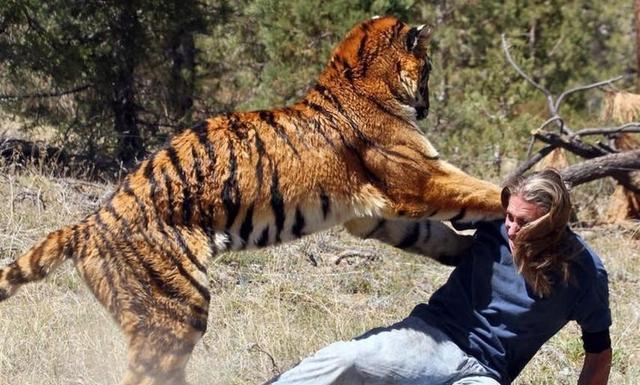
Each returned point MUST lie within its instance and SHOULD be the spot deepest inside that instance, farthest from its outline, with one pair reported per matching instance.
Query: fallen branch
(22, 152)
(18, 150)
(603, 160)
(617, 166)
(570, 143)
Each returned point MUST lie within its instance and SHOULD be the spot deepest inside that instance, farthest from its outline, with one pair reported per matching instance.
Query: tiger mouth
(422, 107)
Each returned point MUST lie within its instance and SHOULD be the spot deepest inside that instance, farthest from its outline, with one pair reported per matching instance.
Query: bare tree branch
(505, 47)
(45, 94)
(551, 104)
(583, 88)
(629, 127)
(551, 120)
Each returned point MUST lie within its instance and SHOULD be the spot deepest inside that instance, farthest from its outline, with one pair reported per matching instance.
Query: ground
(269, 309)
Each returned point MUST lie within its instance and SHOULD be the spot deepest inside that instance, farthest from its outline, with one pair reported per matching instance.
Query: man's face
(519, 213)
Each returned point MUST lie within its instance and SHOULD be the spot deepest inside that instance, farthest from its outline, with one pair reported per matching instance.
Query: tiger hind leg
(164, 327)
(158, 354)
(156, 293)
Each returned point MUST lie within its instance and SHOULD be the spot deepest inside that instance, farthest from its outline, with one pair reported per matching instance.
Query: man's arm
(430, 238)
(595, 370)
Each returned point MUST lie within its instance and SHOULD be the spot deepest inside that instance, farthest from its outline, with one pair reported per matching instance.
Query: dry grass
(621, 107)
(12, 126)
(282, 303)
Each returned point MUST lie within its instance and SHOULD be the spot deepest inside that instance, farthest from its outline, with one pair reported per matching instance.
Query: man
(522, 281)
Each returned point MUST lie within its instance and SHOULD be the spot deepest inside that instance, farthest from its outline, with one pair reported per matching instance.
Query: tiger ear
(421, 39)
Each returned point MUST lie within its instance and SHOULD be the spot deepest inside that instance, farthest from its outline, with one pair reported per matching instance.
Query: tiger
(350, 152)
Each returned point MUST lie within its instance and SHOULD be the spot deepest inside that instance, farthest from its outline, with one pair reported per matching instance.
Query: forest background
(115, 78)
(107, 82)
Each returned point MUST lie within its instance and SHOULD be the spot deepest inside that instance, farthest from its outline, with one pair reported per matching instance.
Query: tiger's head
(387, 61)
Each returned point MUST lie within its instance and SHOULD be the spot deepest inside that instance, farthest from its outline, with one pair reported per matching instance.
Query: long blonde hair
(544, 247)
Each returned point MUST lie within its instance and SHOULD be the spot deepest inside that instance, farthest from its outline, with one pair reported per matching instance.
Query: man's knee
(342, 354)
(328, 365)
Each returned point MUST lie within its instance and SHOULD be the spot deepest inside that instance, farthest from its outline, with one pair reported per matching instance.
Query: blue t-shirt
(488, 309)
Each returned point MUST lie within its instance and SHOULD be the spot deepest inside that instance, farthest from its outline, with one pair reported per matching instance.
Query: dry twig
(257, 348)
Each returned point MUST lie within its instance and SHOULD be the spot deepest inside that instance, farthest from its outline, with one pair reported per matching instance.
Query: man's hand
(595, 370)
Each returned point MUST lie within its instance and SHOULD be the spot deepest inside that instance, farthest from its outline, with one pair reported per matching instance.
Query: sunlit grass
(269, 309)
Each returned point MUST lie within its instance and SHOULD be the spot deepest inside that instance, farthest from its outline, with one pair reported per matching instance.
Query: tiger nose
(422, 110)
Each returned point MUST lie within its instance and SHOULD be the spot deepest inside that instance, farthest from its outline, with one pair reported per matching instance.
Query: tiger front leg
(419, 188)
(451, 196)
(429, 238)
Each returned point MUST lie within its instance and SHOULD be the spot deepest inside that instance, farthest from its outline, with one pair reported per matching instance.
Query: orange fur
(350, 152)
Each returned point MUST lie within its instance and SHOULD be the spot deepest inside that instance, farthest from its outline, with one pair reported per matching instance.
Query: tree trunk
(181, 89)
(127, 30)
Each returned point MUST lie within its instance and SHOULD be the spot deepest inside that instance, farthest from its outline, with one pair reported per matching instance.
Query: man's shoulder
(585, 260)
(490, 240)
